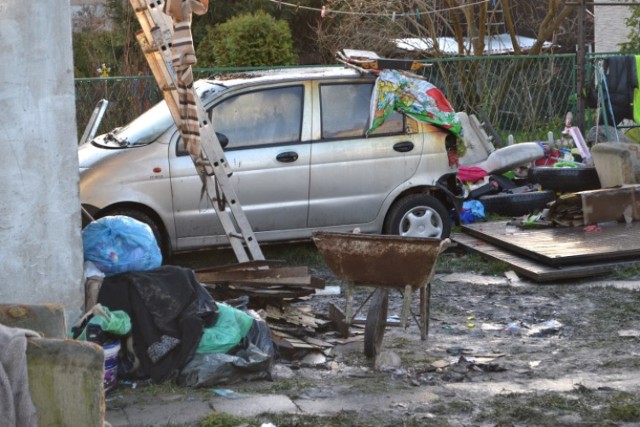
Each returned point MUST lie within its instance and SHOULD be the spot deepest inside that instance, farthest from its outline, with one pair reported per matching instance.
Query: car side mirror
(224, 141)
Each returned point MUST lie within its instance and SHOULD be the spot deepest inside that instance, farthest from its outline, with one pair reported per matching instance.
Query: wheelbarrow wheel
(376, 322)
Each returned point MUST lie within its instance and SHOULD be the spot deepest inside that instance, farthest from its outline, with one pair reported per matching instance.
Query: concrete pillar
(40, 236)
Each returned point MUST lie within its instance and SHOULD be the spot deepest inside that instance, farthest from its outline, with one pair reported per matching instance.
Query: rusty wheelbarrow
(383, 262)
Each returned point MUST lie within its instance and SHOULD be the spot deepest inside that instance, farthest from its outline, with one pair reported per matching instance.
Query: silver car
(295, 141)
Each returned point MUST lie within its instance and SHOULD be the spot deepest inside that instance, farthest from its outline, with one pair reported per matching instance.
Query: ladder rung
(142, 5)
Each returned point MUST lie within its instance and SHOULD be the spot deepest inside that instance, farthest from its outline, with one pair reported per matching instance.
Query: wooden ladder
(155, 39)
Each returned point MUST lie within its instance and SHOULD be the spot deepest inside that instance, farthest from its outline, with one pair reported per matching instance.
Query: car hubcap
(421, 222)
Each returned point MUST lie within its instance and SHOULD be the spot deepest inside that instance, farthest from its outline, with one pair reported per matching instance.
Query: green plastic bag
(115, 322)
(231, 326)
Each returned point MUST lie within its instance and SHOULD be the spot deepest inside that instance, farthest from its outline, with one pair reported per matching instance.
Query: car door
(268, 152)
(352, 175)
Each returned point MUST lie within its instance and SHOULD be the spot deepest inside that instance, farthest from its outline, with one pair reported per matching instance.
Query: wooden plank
(339, 319)
(291, 315)
(563, 246)
(317, 342)
(241, 266)
(533, 269)
(292, 292)
(294, 342)
(272, 283)
(270, 273)
(261, 278)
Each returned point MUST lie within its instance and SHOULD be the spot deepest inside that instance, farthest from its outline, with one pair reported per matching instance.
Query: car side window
(345, 112)
(260, 117)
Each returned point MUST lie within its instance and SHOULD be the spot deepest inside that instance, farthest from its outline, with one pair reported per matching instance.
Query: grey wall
(610, 28)
(40, 240)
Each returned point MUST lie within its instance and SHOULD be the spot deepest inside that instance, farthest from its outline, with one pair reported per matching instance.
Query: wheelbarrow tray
(379, 260)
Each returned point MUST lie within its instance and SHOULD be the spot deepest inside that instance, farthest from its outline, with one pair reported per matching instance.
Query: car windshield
(147, 127)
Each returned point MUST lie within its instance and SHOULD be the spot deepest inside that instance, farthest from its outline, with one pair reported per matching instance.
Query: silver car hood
(89, 154)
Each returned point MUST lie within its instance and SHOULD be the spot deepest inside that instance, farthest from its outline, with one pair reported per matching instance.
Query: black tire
(565, 180)
(418, 215)
(376, 322)
(163, 242)
(503, 182)
(506, 204)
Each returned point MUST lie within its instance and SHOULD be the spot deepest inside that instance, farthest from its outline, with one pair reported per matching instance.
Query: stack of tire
(513, 200)
(565, 179)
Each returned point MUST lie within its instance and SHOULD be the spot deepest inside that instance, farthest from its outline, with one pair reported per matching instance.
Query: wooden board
(535, 270)
(563, 246)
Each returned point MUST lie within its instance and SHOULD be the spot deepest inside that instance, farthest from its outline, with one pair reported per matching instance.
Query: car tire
(565, 180)
(506, 204)
(146, 219)
(418, 215)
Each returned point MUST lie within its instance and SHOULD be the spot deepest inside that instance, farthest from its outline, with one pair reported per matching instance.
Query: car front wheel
(418, 215)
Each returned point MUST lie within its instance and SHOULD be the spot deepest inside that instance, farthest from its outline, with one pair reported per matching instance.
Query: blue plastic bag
(472, 211)
(117, 244)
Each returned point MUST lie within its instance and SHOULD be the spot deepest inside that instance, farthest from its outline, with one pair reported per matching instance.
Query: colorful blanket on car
(415, 97)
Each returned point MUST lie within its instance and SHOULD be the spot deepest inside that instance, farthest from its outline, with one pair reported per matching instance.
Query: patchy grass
(301, 254)
(469, 262)
(219, 419)
(452, 407)
(291, 254)
(626, 273)
(341, 419)
(582, 406)
(624, 407)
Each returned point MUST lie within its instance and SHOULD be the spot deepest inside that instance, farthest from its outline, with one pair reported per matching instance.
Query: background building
(610, 28)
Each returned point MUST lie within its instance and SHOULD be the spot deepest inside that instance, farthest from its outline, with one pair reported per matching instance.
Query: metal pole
(580, 66)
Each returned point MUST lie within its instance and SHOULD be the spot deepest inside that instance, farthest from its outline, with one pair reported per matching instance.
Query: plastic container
(111, 350)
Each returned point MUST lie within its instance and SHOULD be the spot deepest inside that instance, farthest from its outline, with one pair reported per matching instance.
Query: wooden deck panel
(535, 270)
(563, 246)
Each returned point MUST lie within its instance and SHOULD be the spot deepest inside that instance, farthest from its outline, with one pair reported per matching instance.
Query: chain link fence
(521, 95)
(526, 96)
(128, 98)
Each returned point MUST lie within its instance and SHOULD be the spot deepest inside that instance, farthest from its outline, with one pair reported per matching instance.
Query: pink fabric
(471, 173)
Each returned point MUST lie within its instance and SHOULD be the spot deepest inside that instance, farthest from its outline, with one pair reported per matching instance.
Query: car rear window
(345, 112)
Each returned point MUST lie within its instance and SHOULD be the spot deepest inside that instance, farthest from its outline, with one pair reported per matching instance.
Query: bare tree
(89, 18)
(507, 91)
(374, 24)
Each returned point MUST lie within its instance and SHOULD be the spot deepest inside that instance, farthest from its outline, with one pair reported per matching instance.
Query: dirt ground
(498, 353)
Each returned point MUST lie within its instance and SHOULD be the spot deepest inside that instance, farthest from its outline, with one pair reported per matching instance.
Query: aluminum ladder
(155, 39)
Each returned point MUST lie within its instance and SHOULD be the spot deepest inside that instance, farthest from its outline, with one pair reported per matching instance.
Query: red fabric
(471, 173)
(441, 101)
(550, 157)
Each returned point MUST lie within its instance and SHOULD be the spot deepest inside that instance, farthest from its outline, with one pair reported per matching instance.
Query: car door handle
(403, 147)
(287, 157)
